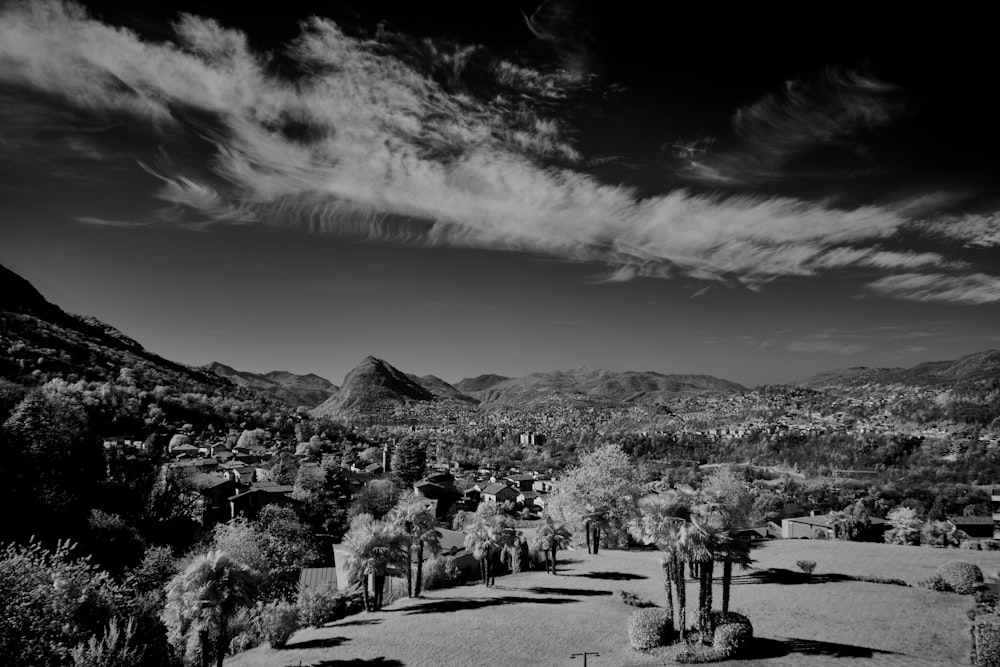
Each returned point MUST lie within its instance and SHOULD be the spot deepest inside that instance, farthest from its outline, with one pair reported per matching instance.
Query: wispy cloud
(974, 288)
(824, 345)
(398, 141)
(830, 108)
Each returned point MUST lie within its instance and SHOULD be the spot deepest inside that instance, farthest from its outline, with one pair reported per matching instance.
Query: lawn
(538, 619)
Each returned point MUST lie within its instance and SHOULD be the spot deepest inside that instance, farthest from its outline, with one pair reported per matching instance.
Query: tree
(51, 602)
(663, 520)
(906, 526)
(419, 525)
(374, 547)
(850, 523)
(599, 494)
(409, 460)
(201, 602)
(549, 538)
(707, 544)
(730, 500)
(377, 498)
(51, 463)
(483, 540)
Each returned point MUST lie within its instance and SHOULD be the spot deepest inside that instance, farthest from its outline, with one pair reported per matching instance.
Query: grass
(535, 618)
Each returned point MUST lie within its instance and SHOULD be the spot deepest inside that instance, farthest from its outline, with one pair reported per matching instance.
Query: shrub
(117, 647)
(991, 545)
(649, 628)
(961, 577)
(324, 604)
(630, 598)
(806, 566)
(731, 638)
(934, 583)
(698, 654)
(278, 622)
(440, 572)
(986, 641)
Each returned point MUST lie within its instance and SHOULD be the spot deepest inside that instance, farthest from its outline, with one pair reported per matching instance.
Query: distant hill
(440, 388)
(43, 341)
(972, 368)
(373, 387)
(479, 383)
(294, 390)
(599, 386)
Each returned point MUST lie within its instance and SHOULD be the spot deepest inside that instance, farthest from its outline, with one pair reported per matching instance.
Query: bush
(991, 545)
(278, 622)
(986, 641)
(961, 577)
(972, 545)
(439, 572)
(731, 638)
(649, 628)
(806, 566)
(934, 583)
(324, 604)
(630, 598)
(117, 647)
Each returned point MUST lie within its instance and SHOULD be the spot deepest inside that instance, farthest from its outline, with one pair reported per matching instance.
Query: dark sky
(463, 188)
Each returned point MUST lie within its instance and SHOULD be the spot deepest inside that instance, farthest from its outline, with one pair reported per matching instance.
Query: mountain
(479, 383)
(440, 388)
(43, 341)
(599, 386)
(975, 368)
(294, 390)
(372, 388)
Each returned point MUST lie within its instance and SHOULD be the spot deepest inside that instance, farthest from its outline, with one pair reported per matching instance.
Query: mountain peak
(372, 387)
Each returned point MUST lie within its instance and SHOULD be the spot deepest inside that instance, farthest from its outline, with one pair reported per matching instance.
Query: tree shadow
(357, 662)
(613, 576)
(777, 575)
(322, 642)
(569, 561)
(547, 590)
(762, 649)
(360, 621)
(467, 604)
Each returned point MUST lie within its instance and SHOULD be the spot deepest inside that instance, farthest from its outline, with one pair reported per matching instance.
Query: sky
(507, 187)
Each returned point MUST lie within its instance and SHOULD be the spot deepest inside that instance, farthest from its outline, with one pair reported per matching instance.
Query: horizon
(499, 193)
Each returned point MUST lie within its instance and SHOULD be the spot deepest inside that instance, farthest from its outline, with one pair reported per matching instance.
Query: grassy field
(538, 619)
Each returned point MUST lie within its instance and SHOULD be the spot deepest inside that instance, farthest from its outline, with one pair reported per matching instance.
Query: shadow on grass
(357, 662)
(569, 561)
(547, 590)
(467, 604)
(762, 649)
(360, 621)
(777, 575)
(324, 642)
(613, 576)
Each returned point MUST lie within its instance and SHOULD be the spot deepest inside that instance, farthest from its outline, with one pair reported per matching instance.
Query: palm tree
(549, 539)
(736, 551)
(419, 526)
(374, 547)
(483, 540)
(204, 598)
(706, 547)
(595, 521)
(660, 519)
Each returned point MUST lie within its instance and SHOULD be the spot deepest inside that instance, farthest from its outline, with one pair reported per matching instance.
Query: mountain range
(41, 340)
(296, 390)
(972, 368)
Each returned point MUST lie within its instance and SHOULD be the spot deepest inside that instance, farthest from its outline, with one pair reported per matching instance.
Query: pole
(584, 654)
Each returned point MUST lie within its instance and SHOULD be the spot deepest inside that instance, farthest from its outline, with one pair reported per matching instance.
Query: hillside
(294, 390)
(440, 388)
(599, 386)
(479, 383)
(372, 388)
(41, 341)
(975, 368)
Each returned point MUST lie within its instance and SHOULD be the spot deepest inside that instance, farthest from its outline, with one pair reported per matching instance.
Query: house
(767, 531)
(976, 527)
(316, 578)
(522, 482)
(499, 493)
(542, 484)
(818, 527)
(373, 469)
(531, 499)
(238, 472)
(211, 505)
(249, 503)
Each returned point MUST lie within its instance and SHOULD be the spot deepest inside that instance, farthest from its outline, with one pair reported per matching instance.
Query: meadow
(534, 618)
